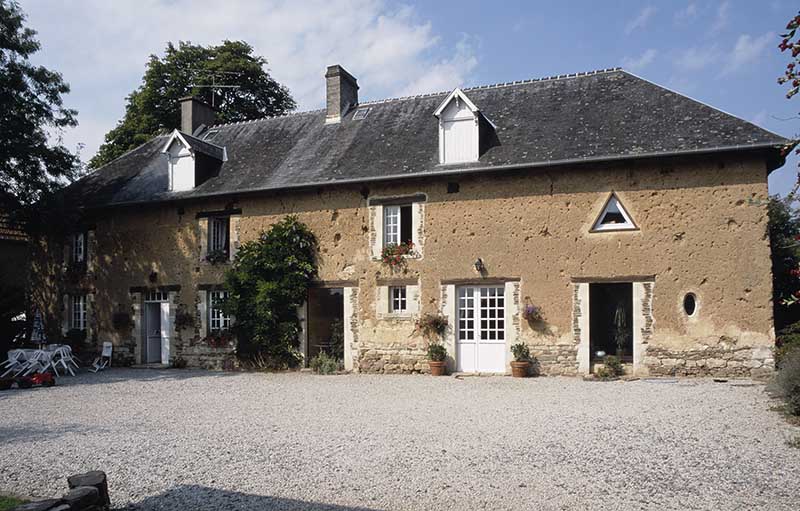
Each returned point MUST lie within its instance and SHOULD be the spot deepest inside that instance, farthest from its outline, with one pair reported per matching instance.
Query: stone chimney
(195, 113)
(342, 93)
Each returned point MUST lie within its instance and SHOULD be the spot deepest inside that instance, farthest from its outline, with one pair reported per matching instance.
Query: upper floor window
(613, 217)
(217, 320)
(459, 130)
(78, 313)
(219, 237)
(397, 225)
(78, 251)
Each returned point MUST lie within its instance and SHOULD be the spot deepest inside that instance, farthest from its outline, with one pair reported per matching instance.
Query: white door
(152, 350)
(481, 340)
(164, 332)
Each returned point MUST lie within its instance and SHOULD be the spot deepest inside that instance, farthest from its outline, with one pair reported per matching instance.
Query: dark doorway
(611, 321)
(325, 322)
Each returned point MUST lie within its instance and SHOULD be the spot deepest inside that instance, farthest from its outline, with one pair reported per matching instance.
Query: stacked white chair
(36, 363)
(62, 356)
(104, 360)
(15, 362)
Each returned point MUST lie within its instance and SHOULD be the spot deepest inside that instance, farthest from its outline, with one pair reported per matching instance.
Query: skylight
(361, 113)
(613, 217)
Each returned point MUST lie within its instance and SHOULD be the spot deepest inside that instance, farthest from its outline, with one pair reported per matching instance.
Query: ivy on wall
(266, 284)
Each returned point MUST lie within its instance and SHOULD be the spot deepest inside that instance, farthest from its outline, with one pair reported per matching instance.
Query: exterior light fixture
(479, 266)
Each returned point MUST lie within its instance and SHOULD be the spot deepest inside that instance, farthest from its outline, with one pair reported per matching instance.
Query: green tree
(31, 110)
(784, 237)
(154, 108)
(266, 284)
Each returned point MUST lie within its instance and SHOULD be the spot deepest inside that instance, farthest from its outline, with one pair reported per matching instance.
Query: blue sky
(723, 53)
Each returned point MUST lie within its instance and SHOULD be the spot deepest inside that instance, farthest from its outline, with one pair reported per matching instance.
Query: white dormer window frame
(449, 127)
(175, 161)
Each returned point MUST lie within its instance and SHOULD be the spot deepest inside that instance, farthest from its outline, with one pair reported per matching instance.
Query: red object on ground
(44, 379)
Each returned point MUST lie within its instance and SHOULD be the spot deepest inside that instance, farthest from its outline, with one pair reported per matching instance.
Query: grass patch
(10, 502)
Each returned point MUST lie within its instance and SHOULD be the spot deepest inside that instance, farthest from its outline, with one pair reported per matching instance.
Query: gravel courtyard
(198, 440)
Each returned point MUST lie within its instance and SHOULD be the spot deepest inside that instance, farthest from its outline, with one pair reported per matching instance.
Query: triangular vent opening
(614, 217)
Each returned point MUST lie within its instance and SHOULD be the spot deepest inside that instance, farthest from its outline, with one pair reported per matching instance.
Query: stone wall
(701, 229)
(724, 357)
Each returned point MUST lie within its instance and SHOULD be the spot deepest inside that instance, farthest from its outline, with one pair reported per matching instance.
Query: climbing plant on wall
(266, 284)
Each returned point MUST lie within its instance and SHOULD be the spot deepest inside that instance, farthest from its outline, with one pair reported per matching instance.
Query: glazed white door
(481, 339)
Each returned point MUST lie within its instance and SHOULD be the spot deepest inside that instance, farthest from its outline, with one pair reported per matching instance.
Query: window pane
(391, 225)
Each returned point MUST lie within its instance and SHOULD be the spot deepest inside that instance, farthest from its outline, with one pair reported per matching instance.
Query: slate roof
(597, 116)
(201, 146)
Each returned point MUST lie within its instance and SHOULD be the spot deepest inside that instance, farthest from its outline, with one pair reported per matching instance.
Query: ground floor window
(78, 315)
(218, 320)
(397, 299)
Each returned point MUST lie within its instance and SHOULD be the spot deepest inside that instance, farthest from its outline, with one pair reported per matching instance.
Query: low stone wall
(556, 359)
(392, 361)
(87, 492)
(725, 359)
(207, 357)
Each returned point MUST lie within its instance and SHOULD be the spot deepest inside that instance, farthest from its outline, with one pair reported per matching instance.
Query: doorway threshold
(150, 366)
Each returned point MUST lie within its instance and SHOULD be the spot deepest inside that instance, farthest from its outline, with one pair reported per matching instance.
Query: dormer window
(459, 129)
(191, 161)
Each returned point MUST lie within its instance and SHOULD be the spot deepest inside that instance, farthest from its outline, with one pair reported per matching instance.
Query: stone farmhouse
(633, 217)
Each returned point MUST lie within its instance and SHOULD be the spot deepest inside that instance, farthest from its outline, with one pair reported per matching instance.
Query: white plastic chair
(62, 357)
(15, 361)
(104, 360)
(36, 363)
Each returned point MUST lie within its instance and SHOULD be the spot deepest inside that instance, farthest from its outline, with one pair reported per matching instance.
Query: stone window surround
(66, 321)
(375, 207)
(382, 299)
(449, 303)
(642, 317)
(234, 216)
(203, 311)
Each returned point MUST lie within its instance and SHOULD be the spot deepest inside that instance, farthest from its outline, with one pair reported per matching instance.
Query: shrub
(436, 352)
(267, 282)
(787, 380)
(787, 339)
(521, 352)
(431, 326)
(612, 368)
(324, 364)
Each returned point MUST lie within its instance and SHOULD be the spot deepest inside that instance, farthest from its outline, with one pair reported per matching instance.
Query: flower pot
(520, 369)
(438, 367)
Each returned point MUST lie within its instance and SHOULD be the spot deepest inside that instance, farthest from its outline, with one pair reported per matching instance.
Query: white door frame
(501, 315)
(162, 298)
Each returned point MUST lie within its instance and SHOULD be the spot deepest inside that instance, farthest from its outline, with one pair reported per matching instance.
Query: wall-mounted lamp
(479, 266)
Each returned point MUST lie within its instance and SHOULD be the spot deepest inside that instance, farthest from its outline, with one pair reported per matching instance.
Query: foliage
(612, 368)
(219, 339)
(179, 363)
(266, 284)
(784, 236)
(31, 110)
(337, 339)
(790, 75)
(324, 364)
(532, 313)
(217, 256)
(183, 318)
(787, 339)
(7, 503)
(154, 106)
(787, 380)
(122, 321)
(394, 254)
(436, 352)
(431, 326)
(521, 352)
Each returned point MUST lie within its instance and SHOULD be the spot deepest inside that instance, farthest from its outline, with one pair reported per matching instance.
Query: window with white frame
(219, 235)
(613, 217)
(397, 225)
(397, 299)
(217, 319)
(78, 247)
(78, 312)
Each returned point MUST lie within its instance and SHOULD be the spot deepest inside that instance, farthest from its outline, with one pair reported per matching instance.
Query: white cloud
(686, 15)
(640, 62)
(101, 48)
(640, 21)
(722, 17)
(747, 49)
(696, 59)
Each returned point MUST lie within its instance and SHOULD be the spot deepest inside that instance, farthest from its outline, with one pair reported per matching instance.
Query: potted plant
(433, 327)
(393, 254)
(522, 360)
(532, 313)
(437, 354)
